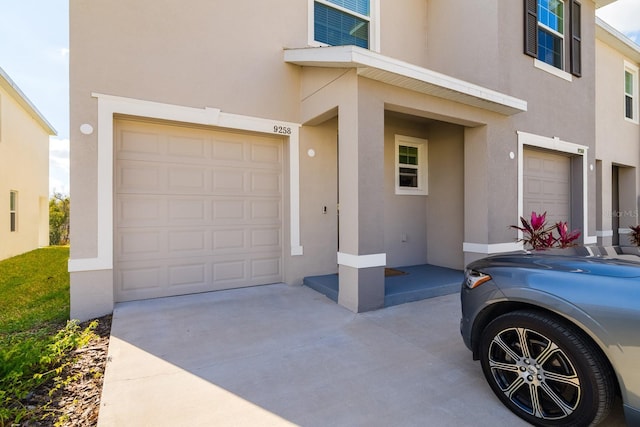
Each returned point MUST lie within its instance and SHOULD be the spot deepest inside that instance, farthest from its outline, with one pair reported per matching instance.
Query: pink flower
(538, 221)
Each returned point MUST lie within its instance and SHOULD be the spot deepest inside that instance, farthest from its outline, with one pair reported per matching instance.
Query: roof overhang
(602, 3)
(397, 73)
(614, 38)
(24, 102)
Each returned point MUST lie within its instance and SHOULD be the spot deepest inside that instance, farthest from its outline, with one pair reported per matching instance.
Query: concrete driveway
(279, 355)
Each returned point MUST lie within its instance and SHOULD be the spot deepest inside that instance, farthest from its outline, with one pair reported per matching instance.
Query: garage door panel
(265, 268)
(190, 274)
(228, 181)
(265, 210)
(266, 183)
(138, 177)
(134, 144)
(229, 210)
(269, 154)
(141, 278)
(141, 243)
(227, 150)
(265, 238)
(193, 211)
(187, 180)
(547, 186)
(191, 148)
(196, 210)
(187, 241)
(229, 240)
(133, 211)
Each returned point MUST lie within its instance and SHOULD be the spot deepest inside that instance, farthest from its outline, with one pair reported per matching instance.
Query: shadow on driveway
(286, 355)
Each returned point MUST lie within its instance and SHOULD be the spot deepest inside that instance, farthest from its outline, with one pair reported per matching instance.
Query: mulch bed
(78, 402)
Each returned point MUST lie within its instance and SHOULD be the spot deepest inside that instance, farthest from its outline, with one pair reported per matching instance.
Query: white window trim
(558, 72)
(109, 106)
(541, 65)
(423, 165)
(374, 23)
(631, 68)
(555, 144)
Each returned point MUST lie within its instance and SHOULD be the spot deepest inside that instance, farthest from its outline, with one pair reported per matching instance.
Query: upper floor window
(631, 92)
(344, 22)
(411, 165)
(546, 35)
(551, 32)
(13, 211)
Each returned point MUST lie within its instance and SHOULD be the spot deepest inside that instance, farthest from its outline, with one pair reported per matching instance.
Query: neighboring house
(24, 172)
(205, 158)
(617, 135)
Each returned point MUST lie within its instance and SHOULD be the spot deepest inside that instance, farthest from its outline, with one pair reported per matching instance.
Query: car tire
(545, 370)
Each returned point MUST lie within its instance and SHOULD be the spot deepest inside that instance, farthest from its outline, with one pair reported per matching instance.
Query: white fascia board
(618, 41)
(399, 73)
(12, 88)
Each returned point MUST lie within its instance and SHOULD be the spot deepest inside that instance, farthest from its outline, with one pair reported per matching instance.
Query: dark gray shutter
(531, 28)
(576, 40)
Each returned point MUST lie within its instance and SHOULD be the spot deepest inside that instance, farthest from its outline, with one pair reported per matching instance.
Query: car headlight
(474, 278)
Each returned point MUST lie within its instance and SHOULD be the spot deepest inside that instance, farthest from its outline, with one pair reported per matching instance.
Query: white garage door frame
(555, 144)
(109, 106)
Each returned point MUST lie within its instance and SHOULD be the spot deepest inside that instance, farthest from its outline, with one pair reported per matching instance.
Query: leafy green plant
(538, 235)
(36, 338)
(29, 360)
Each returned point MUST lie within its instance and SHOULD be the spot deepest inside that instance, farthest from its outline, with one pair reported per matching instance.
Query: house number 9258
(282, 130)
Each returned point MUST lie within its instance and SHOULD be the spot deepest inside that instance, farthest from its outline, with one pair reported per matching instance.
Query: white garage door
(547, 185)
(195, 210)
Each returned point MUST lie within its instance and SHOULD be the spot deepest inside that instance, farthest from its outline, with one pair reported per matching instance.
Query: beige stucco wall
(618, 145)
(229, 55)
(24, 167)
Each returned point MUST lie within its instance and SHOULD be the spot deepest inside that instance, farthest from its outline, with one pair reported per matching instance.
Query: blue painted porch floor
(418, 282)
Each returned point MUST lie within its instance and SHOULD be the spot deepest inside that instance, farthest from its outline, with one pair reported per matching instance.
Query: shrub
(29, 359)
(59, 219)
(635, 235)
(539, 236)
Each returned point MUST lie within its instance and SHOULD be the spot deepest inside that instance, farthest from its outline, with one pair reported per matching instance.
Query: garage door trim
(555, 144)
(110, 106)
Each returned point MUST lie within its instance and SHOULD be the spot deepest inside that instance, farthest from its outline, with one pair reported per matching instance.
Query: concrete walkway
(279, 355)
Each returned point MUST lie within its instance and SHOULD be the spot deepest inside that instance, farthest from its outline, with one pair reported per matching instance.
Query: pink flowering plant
(538, 235)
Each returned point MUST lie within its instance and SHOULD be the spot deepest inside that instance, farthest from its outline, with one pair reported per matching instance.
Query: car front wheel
(546, 371)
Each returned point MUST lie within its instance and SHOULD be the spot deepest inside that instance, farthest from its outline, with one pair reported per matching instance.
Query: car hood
(593, 265)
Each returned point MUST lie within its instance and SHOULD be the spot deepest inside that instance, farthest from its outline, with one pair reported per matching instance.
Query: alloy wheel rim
(534, 373)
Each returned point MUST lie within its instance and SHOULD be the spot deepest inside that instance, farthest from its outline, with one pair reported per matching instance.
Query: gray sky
(34, 52)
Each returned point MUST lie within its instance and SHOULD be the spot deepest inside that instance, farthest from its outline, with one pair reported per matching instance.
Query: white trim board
(493, 248)
(109, 105)
(398, 73)
(362, 261)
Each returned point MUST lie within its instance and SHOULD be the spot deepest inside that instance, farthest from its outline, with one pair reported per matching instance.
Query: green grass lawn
(34, 290)
(36, 338)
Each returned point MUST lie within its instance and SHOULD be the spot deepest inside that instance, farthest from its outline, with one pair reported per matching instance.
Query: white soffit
(402, 74)
(602, 3)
